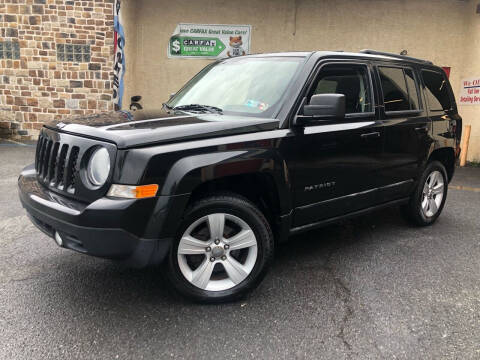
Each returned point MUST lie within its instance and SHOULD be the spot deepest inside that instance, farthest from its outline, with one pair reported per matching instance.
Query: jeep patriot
(251, 150)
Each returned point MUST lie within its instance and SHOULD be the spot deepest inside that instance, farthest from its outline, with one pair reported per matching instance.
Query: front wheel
(428, 199)
(223, 249)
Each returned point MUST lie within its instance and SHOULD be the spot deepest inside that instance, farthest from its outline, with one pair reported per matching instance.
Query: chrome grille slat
(41, 156)
(52, 163)
(38, 150)
(59, 180)
(46, 159)
(71, 168)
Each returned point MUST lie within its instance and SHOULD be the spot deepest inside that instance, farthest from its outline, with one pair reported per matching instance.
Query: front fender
(189, 172)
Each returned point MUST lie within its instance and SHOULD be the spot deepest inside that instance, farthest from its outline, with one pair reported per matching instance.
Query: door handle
(372, 134)
(421, 128)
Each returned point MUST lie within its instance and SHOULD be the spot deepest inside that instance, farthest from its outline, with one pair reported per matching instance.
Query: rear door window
(436, 91)
(399, 89)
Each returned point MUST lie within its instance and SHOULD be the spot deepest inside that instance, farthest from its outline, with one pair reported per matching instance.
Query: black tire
(413, 211)
(245, 210)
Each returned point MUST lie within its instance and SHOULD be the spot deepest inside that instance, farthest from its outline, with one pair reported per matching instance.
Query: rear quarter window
(437, 90)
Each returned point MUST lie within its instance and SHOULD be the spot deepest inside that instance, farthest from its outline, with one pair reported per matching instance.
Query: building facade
(56, 60)
(44, 84)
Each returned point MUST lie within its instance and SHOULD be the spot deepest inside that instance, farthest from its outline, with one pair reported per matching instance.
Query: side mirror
(322, 107)
(172, 95)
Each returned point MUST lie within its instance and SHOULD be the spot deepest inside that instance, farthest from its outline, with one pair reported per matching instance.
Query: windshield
(247, 86)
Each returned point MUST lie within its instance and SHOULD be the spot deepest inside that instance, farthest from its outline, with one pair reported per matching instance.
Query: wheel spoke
(216, 224)
(201, 276)
(425, 204)
(191, 246)
(425, 188)
(432, 206)
(437, 179)
(235, 270)
(244, 239)
(430, 180)
(437, 190)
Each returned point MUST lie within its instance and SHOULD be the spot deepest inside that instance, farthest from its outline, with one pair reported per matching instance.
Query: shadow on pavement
(92, 280)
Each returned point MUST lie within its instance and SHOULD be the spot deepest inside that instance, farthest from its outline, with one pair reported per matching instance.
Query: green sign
(195, 46)
(209, 41)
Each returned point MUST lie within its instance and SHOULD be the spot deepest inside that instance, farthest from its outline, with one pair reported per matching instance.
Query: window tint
(436, 91)
(350, 80)
(412, 90)
(394, 87)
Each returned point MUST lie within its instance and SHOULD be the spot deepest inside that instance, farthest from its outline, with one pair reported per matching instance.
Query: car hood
(140, 128)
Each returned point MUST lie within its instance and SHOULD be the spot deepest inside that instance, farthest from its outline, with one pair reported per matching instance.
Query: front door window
(350, 80)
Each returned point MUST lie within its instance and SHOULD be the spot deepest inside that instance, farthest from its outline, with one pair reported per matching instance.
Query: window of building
(399, 89)
(73, 52)
(436, 91)
(9, 50)
(350, 80)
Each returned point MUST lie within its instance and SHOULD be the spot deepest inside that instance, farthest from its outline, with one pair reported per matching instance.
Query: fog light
(58, 239)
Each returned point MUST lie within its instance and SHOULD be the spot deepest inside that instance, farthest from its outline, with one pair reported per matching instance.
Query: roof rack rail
(374, 52)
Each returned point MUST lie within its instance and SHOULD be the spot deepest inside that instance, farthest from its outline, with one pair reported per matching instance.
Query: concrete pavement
(370, 288)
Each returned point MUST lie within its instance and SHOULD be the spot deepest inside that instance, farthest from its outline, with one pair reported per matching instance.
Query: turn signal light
(133, 192)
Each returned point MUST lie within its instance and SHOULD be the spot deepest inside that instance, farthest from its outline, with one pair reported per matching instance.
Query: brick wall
(64, 65)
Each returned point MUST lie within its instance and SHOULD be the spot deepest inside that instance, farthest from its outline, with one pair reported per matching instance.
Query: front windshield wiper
(200, 108)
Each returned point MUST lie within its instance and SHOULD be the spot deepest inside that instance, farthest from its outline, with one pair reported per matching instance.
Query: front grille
(58, 159)
(56, 164)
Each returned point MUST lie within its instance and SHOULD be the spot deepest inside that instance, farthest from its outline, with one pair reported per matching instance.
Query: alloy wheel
(217, 252)
(432, 194)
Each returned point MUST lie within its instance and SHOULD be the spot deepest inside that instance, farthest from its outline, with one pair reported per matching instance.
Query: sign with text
(209, 41)
(119, 60)
(470, 92)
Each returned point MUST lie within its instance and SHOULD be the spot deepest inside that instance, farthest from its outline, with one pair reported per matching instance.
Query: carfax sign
(209, 41)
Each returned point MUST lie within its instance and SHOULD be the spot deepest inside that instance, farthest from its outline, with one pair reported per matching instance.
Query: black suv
(251, 150)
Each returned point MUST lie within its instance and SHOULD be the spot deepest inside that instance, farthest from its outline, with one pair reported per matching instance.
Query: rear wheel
(428, 199)
(222, 251)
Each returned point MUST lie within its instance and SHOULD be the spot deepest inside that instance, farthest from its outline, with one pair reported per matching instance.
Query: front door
(334, 165)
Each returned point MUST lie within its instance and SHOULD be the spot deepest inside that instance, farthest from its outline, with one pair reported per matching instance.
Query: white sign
(209, 41)
(470, 92)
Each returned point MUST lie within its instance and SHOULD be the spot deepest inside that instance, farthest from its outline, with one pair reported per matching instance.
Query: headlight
(98, 167)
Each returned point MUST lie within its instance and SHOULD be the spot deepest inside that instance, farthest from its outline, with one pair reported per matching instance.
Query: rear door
(407, 128)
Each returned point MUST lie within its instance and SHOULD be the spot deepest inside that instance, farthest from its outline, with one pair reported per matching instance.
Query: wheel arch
(258, 175)
(445, 155)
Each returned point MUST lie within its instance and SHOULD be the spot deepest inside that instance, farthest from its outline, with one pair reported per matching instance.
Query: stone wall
(56, 59)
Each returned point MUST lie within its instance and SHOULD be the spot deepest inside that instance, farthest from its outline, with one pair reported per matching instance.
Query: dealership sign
(209, 41)
(470, 92)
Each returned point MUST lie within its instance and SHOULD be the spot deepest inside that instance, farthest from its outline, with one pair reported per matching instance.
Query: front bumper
(134, 231)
